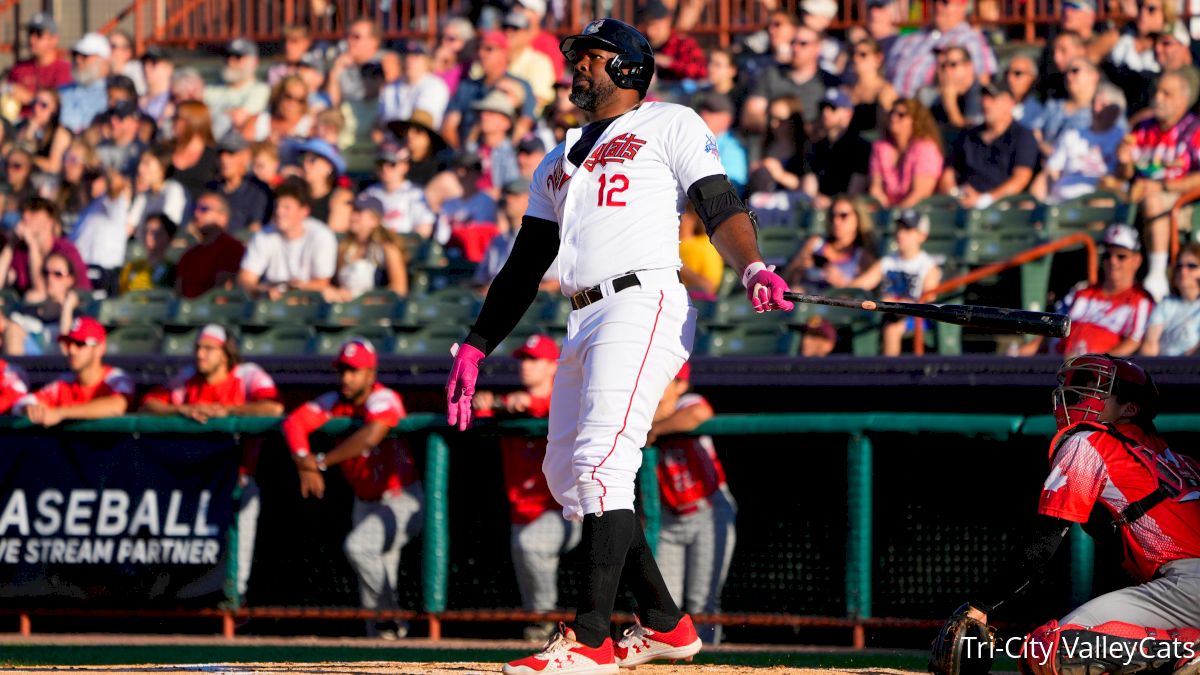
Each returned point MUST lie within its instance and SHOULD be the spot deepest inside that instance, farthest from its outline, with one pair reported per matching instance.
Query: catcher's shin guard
(1115, 647)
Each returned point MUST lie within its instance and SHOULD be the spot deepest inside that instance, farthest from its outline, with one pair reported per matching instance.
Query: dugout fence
(853, 522)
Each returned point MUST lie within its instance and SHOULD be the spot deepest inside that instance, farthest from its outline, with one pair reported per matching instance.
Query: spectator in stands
(882, 25)
(18, 185)
(493, 62)
(1133, 54)
(698, 533)
(723, 79)
(42, 135)
(219, 384)
(194, 162)
(34, 324)
(418, 89)
(514, 200)
(491, 140)
(36, 236)
(1174, 326)
(703, 268)
(1021, 76)
(530, 152)
(425, 146)
(781, 28)
(44, 69)
(388, 498)
(837, 162)
(1161, 157)
(158, 71)
(13, 385)
(677, 56)
(154, 192)
(297, 43)
(122, 150)
(264, 161)
(81, 181)
(913, 59)
(186, 85)
(525, 61)
(322, 168)
(783, 150)
(249, 198)
(1066, 47)
(357, 73)
(242, 96)
(956, 101)
(1172, 48)
(993, 160)
(544, 41)
(1083, 159)
(120, 44)
(404, 207)
(311, 72)
(803, 79)
(152, 270)
(871, 93)
(215, 260)
(369, 255)
(103, 230)
(819, 338)
(119, 88)
(287, 116)
(906, 275)
(842, 255)
(539, 534)
(296, 251)
(91, 391)
(450, 57)
(1072, 112)
(819, 15)
(87, 95)
(907, 162)
(330, 126)
(474, 206)
(717, 111)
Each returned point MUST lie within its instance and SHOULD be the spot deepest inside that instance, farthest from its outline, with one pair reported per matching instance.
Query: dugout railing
(860, 576)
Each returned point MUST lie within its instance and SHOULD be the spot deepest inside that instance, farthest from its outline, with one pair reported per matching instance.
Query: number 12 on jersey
(616, 184)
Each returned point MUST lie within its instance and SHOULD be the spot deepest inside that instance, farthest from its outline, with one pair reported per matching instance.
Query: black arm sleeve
(1040, 545)
(715, 201)
(515, 287)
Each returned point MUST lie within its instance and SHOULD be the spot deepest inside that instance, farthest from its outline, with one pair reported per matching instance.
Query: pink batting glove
(461, 385)
(765, 288)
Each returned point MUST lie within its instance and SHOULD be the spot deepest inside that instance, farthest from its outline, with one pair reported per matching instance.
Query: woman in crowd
(193, 162)
(783, 150)
(872, 94)
(836, 259)
(1021, 76)
(82, 180)
(34, 325)
(1134, 50)
(154, 192)
(18, 185)
(1074, 112)
(41, 133)
(453, 55)
(907, 161)
(151, 269)
(322, 168)
(1174, 327)
(423, 143)
(286, 115)
(369, 255)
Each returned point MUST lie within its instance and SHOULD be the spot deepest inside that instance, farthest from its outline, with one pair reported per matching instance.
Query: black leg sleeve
(606, 541)
(655, 606)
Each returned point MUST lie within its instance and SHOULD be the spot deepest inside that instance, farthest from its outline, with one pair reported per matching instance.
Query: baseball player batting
(1108, 465)
(607, 203)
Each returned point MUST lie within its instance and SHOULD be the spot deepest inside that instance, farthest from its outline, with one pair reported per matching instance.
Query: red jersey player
(216, 385)
(1109, 460)
(540, 535)
(91, 391)
(13, 385)
(388, 498)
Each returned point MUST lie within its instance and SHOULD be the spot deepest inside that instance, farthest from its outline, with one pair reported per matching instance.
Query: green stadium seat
(547, 308)
(1010, 226)
(329, 342)
(454, 304)
(751, 340)
(737, 311)
(432, 340)
(1090, 213)
(149, 307)
(294, 307)
(377, 307)
(945, 213)
(287, 340)
(226, 307)
(779, 245)
(134, 340)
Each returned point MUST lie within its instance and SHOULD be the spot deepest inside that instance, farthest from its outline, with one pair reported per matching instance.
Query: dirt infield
(460, 668)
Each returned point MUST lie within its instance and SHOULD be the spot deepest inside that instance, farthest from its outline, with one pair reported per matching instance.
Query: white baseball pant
(536, 549)
(381, 529)
(694, 552)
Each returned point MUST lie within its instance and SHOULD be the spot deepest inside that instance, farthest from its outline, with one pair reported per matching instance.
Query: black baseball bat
(1003, 319)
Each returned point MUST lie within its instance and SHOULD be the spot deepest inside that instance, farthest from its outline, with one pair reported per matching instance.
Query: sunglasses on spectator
(118, 45)
(1019, 73)
(1117, 255)
(17, 166)
(205, 208)
(802, 43)
(838, 215)
(950, 64)
(358, 36)
(1074, 71)
(57, 274)
(1190, 266)
(863, 53)
(898, 114)
(41, 104)
(36, 33)
(1149, 9)
(294, 97)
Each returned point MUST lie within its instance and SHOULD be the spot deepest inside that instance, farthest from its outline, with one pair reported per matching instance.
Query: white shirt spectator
(1081, 159)
(1124, 54)
(398, 100)
(405, 210)
(101, 234)
(276, 260)
(1180, 320)
(171, 201)
(220, 99)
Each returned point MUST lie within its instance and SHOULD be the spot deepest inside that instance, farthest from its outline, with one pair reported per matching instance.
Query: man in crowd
(543, 40)
(677, 56)
(87, 95)
(956, 98)
(123, 148)
(526, 62)
(297, 41)
(493, 62)
(92, 390)
(993, 160)
(717, 111)
(403, 202)
(357, 73)
(882, 24)
(214, 261)
(249, 198)
(819, 337)
(777, 53)
(914, 56)
(243, 95)
(388, 498)
(837, 162)
(38, 234)
(803, 78)
(1060, 52)
(294, 252)
(417, 89)
(44, 69)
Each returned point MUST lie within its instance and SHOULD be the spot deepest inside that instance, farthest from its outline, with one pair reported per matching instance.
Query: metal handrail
(1035, 253)
(1184, 199)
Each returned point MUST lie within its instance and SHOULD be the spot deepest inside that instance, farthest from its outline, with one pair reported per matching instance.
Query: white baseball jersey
(619, 211)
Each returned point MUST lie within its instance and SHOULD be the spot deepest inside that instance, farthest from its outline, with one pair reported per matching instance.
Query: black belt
(589, 295)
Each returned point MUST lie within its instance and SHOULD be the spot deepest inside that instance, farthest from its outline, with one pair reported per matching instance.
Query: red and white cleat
(642, 644)
(563, 654)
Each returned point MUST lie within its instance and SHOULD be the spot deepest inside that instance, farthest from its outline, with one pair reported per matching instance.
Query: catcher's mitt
(965, 646)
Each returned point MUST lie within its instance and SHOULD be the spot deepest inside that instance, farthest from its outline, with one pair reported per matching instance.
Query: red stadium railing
(1184, 200)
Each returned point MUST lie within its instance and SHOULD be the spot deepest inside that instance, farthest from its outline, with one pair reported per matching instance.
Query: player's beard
(594, 96)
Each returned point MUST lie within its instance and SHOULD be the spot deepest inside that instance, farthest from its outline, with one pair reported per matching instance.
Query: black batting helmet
(631, 68)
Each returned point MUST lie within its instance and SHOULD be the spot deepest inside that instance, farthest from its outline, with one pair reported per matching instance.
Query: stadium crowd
(336, 168)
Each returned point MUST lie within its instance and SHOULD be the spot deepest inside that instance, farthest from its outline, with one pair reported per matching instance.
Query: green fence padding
(859, 532)
(435, 561)
(651, 502)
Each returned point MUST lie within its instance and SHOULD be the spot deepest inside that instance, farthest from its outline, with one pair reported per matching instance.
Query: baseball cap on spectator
(516, 186)
(392, 153)
(154, 53)
(85, 331)
(123, 109)
(322, 148)
(518, 20)
(685, 372)
(213, 332)
(93, 44)
(412, 47)
(469, 161)
(1084, 5)
(496, 101)
(356, 353)
(493, 37)
(1177, 30)
(836, 98)
(536, 6)
(537, 347)
(997, 87)
(43, 23)
(366, 202)
(240, 47)
(819, 326)
(913, 219)
(871, 4)
(714, 102)
(823, 8)
(122, 83)
(232, 141)
(1123, 236)
(531, 144)
(655, 10)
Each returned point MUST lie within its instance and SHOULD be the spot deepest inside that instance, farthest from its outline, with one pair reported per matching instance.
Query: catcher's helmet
(631, 68)
(1085, 382)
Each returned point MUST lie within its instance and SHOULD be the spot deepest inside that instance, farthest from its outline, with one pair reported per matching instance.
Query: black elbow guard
(715, 201)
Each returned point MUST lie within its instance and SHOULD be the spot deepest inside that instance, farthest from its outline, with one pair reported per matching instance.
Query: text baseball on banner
(113, 517)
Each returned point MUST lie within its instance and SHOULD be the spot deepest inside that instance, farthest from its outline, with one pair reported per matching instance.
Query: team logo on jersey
(558, 177)
(710, 146)
(615, 151)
